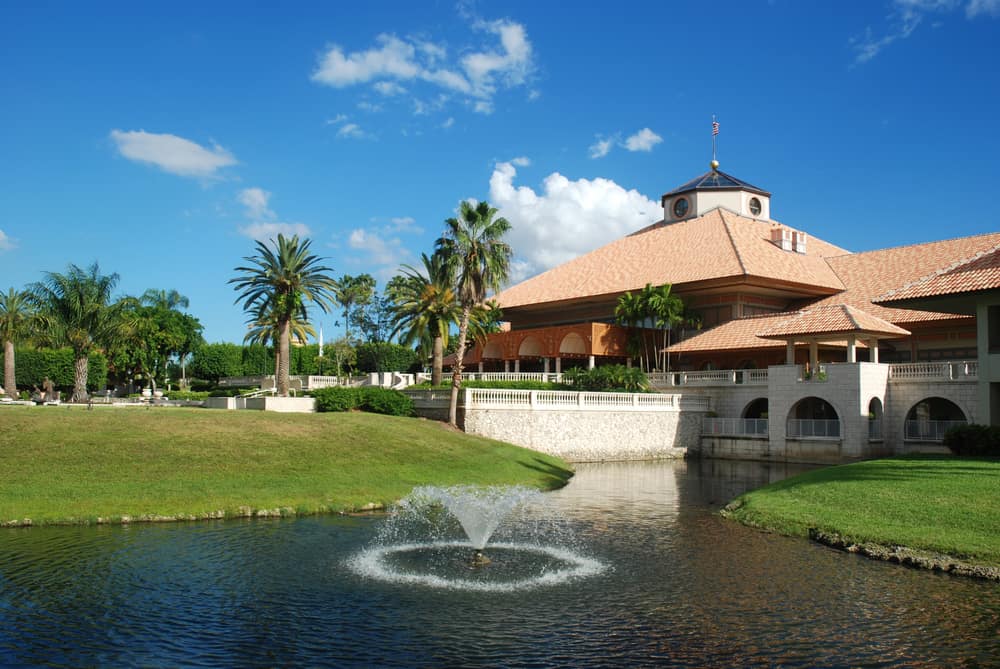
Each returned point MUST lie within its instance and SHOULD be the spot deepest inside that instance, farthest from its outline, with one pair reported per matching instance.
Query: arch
(812, 417)
(756, 409)
(573, 344)
(875, 413)
(530, 347)
(492, 351)
(930, 418)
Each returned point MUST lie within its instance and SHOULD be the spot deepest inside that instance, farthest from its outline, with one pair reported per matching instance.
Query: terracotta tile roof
(874, 273)
(980, 272)
(717, 245)
(837, 319)
(733, 335)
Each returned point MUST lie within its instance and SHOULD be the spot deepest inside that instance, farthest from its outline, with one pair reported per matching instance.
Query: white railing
(928, 430)
(243, 381)
(734, 427)
(710, 377)
(511, 376)
(481, 398)
(954, 370)
(810, 428)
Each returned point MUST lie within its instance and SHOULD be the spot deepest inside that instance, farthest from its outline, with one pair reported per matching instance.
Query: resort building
(806, 350)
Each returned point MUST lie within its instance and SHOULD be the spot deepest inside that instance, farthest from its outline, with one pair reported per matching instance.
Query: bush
(974, 440)
(369, 398)
(386, 357)
(187, 395)
(616, 378)
(231, 392)
(336, 399)
(33, 365)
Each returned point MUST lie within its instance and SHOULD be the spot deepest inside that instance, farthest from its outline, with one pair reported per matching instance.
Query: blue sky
(160, 138)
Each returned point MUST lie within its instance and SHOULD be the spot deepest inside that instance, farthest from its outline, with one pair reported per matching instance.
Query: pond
(681, 587)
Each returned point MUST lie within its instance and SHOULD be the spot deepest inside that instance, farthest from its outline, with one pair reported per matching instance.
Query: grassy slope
(62, 464)
(935, 503)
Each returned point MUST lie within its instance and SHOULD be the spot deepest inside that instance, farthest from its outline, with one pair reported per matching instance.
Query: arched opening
(930, 418)
(530, 348)
(573, 344)
(756, 409)
(492, 351)
(813, 417)
(875, 419)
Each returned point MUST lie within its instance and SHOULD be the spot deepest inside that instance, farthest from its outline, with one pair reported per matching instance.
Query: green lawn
(64, 464)
(933, 503)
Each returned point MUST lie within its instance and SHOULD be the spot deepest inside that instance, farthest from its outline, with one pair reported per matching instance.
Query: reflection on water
(684, 588)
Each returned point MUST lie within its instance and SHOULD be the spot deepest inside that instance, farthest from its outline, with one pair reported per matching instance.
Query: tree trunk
(81, 368)
(9, 378)
(456, 373)
(437, 364)
(283, 355)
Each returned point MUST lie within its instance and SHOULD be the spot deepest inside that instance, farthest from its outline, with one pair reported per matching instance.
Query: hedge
(386, 357)
(33, 365)
(367, 398)
(973, 440)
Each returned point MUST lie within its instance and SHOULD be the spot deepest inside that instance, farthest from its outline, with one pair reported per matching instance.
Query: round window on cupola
(754, 205)
(681, 207)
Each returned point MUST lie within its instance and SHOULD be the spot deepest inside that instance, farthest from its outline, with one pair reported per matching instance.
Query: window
(681, 207)
(755, 207)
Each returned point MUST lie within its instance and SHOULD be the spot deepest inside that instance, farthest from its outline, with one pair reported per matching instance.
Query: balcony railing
(954, 370)
(710, 377)
(480, 398)
(928, 430)
(734, 427)
(813, 428)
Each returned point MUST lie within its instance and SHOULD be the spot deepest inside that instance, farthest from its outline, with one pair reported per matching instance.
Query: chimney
(799, 241)
(781, 237)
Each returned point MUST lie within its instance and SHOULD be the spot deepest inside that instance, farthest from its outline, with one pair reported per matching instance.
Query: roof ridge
(941, 270)
(732, 241)
(910, 246)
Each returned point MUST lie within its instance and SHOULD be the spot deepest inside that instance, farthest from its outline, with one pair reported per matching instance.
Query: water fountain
(428, 538)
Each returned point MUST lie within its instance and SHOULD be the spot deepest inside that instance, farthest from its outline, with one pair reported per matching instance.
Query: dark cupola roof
(715, 180)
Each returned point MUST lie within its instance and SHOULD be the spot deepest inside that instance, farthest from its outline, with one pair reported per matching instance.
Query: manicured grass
(933, 503)
(72, 465)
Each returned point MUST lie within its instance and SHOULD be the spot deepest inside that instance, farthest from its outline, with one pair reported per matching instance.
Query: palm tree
(279, 280)
(165, 299)
(424, 306)
(353, 291)
(15, 325)
(473, 245)
(264, 328)
(75, 309)
(630, 312)
(666, 310)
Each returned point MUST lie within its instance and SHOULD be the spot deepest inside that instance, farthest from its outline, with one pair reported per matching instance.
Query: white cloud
(521, 161)
(263, 224)
(479, 74)
(6, 243)
(644, 140)
(906, 15)
(448, 122)
(600, 148)
(351, 131)
(386, 254)
(339, 118)
(567, 218)
(370, 107)
(172, 153)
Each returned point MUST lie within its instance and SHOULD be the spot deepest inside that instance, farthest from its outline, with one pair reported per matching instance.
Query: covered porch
(549, 350)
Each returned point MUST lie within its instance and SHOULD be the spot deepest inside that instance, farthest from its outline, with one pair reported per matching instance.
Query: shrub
(336, 399)
(368, 398)
(231, 392)
(386, 357)
(33, 365)
(617, 378)
(973, 440)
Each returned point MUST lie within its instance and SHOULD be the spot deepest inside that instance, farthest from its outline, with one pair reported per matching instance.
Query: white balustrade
(481, 398)
(955, 370)
(928, 430)
(734, 427)
(813, 428)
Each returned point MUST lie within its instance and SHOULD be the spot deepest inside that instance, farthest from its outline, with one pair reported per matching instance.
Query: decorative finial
(715, 135)
(715, 165)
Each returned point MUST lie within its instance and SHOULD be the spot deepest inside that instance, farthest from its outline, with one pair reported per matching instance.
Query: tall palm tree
(264, 329)
(666, 310)
(473, 245)
(630, 312)
(351, 292)
(75, 309)
(424, 306)
(280, 279)
(15, 325)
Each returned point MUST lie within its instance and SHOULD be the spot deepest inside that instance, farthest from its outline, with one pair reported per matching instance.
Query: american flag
(715, 128)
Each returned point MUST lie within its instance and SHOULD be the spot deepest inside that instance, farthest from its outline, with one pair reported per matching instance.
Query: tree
(352, 292)
(278, 281)
(152, 337)
(164, 299)
(16, 318)
(424, 306)
(264, 329)
(665, 309)
(473, 246)
(631, 312)
(75, 309)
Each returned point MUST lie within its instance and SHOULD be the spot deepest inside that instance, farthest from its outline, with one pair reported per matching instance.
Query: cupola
(712, 190)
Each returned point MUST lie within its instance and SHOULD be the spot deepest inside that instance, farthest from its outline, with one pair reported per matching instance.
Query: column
(506, 366)
(814, 357)
(852, 354)
(873, 349)
(480, 366)
(517, 366)
(558, 365)
(790, 352)
(590, 362)
(545, 365)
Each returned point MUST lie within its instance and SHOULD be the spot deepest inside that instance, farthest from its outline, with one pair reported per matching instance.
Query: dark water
(683, 588)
